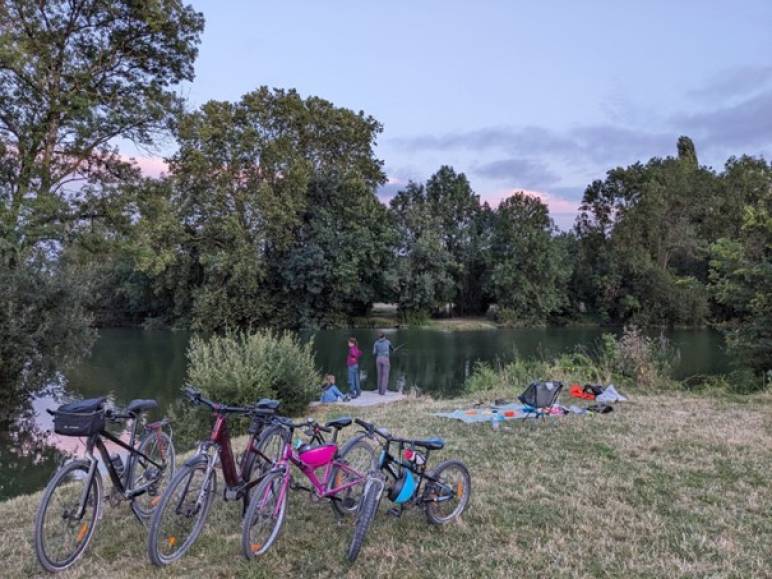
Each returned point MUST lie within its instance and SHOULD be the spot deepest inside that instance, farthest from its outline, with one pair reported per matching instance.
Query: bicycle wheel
(371, 500)
(359, 455)
(447, 498)
(160, 448)
(181, 514)
(268, 450)
(62, 532)
(265, 516)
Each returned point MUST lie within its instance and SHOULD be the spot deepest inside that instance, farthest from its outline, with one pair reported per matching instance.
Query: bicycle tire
(371, 500)
(466, 492)
(83, 542)
(357, 442)
(257, 462)
(249, 547)
(185, 472)
(155, 493)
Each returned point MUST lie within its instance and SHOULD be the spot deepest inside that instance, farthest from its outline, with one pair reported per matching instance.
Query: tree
(266, 202)
(450, 198)
(423, 264)
(527, 275)
(643, 249)
(75, 76)
(741, 282)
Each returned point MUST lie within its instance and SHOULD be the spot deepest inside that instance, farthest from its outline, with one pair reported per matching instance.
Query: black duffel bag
(81, 418)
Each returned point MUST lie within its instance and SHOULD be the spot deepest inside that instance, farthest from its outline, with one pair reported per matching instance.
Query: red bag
(576, 391)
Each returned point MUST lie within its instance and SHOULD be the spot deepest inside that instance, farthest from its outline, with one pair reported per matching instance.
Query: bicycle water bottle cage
(403, 489)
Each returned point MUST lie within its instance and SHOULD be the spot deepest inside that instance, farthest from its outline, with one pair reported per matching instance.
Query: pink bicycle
(342, 474)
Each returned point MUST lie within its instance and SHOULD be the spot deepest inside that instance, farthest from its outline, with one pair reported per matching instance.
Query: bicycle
(266, 512)
(72, 502)
(188, 498)
(447, 485)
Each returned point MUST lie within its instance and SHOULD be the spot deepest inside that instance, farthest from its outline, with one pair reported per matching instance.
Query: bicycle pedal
(394, 512)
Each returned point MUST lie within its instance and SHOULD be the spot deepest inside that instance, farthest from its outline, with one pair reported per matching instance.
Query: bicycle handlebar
(196, 397)
(373, 429)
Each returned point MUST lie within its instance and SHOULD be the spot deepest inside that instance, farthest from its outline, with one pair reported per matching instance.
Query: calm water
(130, 363)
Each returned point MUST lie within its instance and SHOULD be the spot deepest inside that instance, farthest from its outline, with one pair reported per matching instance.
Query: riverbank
(672, 484)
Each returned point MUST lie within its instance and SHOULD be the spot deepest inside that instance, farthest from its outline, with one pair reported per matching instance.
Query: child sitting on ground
(330, 392)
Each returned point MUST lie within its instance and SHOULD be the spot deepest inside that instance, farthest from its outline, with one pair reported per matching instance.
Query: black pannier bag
(81, 418)
(541, 394)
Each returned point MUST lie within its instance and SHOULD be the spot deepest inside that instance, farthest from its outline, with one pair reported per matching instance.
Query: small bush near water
(240, 368)
(630, 360)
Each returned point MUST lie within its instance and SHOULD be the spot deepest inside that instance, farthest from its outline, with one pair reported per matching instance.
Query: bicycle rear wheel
(62, 531)
(181, 514)
(371, 500)
(447, 498)
(160, 448)
(265, 516)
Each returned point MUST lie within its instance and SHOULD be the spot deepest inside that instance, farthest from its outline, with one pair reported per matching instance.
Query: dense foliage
(269, 215)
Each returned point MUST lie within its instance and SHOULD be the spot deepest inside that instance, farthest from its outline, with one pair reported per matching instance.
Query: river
(132, 363)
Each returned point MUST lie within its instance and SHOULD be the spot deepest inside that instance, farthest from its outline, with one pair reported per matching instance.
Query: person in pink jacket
(352, 361)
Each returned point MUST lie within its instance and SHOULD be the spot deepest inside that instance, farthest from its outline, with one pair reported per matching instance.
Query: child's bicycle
(343, 473)
(72, 502)
(443, 492)
(184, 506)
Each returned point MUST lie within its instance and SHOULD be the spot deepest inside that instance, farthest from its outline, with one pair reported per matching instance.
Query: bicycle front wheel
(371, 500)
(160, 449)
(181, 514)
(67, 516)
(267, 451)
(359, 455)
(265, 515)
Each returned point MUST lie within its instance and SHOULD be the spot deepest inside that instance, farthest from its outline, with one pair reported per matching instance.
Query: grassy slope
(667, 485)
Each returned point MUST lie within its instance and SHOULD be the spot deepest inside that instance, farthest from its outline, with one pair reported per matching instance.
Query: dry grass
(665, 486)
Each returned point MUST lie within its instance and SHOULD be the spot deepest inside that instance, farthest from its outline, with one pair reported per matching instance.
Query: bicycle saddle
(137, 406)
(341, 422)
(434, 443)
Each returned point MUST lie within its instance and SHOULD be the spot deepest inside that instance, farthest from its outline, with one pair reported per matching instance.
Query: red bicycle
(184, 506)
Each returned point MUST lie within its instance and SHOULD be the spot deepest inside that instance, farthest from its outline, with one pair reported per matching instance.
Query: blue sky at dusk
(518, 95)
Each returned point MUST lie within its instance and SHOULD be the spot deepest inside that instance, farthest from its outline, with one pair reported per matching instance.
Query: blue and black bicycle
(443, 492)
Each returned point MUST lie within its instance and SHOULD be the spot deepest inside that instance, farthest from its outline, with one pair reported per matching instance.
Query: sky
(540, 96)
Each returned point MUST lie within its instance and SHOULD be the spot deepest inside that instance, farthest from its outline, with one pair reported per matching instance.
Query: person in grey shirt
(382, 350)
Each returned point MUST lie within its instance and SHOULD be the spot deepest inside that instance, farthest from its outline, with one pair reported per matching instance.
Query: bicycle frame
(120, 482)
(392, 466)
(319, 487)
(220, 440)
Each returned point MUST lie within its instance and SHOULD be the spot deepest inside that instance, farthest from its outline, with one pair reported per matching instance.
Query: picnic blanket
(511, 411)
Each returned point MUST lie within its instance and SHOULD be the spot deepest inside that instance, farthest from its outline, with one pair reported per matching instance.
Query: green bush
(240, 368)
(647, 361)
(482, 379)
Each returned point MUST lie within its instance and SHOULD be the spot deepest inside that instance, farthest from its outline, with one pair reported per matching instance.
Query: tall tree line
(269, 214)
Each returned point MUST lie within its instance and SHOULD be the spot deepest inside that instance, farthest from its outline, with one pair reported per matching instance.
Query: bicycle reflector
(403, 489)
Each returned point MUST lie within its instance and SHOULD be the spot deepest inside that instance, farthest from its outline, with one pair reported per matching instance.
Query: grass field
(668, 485)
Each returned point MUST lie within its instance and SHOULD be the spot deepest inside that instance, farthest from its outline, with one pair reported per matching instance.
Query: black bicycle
(72, 502)
(443, 492)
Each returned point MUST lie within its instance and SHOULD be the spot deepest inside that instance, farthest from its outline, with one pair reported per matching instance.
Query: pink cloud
(150, 166)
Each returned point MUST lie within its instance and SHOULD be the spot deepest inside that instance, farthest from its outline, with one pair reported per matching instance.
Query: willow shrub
(241, 368)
